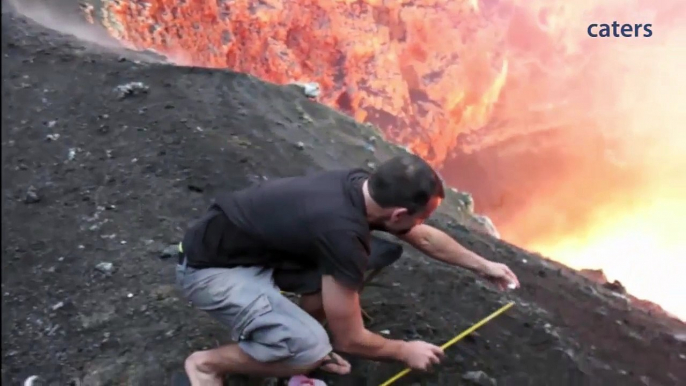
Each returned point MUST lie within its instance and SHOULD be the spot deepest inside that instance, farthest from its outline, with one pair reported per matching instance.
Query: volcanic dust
(107, 157)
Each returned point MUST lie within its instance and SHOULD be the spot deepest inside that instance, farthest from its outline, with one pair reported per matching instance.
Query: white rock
(310, 89)
(130, 88)
(488, 225)
(104, 267)
(31, 381)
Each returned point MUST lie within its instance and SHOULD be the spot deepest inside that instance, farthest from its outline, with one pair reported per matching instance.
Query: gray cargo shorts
(265, 324)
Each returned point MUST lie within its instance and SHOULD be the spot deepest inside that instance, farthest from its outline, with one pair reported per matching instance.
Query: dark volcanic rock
(615, 286)
(124, 192)
(596, 275)
(479, 378)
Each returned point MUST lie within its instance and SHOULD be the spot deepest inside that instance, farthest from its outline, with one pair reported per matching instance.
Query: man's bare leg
(312, 304)
(206, 368)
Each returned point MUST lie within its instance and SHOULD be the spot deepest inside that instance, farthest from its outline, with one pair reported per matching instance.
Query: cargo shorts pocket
(245, 320)
(258, 331)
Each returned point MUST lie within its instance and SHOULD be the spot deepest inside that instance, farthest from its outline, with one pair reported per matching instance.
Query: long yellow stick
(456, 339)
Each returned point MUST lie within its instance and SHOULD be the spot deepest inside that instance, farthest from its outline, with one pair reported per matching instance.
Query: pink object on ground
(301, 380)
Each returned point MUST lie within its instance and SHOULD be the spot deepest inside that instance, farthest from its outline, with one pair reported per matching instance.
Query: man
(316, 228)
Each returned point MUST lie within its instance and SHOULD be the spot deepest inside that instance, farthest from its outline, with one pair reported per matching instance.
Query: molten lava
(573, 145)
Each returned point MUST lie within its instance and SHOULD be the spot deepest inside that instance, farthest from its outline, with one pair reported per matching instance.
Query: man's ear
(399, 213)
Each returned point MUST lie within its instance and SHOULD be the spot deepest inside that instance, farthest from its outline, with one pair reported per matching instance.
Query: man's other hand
(500, 275)
(422, 356)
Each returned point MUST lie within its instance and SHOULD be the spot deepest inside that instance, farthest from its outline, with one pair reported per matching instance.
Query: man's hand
(500, 275)
(422, 356)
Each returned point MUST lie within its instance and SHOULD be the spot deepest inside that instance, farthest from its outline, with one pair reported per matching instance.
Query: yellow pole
(455, 339)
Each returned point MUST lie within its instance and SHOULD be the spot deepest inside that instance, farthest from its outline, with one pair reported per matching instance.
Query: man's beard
(380, 225)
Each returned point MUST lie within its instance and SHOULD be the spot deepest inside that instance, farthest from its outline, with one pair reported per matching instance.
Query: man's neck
(374, 211)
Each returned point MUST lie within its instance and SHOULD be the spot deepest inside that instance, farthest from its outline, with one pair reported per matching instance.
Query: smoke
(583, 123)
(70, 18)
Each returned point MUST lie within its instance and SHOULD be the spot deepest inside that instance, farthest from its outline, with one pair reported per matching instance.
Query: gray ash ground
(96, 187)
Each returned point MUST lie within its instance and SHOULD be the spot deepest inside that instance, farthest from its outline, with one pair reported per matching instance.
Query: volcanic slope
(98, 183)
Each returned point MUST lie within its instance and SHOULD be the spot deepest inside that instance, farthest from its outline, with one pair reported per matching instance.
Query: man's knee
(280, 331)
(310, 344)
(301, 348)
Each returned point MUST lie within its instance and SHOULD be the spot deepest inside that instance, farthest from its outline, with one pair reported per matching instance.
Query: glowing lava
(574, 145)
(642, 247)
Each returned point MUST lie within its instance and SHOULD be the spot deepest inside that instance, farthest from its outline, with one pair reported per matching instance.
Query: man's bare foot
(334, 363)
(197, 376)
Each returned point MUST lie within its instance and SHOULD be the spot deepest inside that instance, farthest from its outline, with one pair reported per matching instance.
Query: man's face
(400, 221)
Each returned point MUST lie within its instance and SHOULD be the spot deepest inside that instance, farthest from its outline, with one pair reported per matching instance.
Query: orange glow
(575, 146)
(626, 245)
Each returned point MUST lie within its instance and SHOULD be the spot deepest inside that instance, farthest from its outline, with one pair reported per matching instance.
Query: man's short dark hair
(405, 181)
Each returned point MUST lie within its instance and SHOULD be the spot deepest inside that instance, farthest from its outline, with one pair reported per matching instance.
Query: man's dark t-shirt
(316, 221)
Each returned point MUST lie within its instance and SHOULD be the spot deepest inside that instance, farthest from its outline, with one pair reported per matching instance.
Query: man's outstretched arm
(440, 246)
(437, 244)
